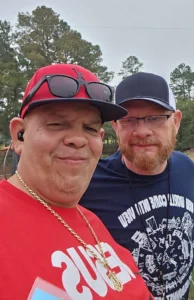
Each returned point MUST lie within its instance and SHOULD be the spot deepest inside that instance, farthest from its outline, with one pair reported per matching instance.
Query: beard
(144, 160)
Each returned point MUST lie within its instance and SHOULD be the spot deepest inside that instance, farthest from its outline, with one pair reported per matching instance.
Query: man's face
(61, 148)
(147, 147)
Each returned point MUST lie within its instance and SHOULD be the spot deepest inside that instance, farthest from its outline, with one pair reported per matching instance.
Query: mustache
(146, 141)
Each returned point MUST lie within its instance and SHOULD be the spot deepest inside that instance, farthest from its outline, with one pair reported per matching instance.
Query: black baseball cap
(145, 86)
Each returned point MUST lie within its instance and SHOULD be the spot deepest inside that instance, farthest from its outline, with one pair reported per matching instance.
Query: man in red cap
(50, 247)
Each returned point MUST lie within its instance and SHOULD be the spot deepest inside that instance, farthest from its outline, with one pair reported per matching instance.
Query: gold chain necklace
(118, 286)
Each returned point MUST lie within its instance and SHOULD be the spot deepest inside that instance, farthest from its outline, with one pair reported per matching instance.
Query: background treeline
(41, 38)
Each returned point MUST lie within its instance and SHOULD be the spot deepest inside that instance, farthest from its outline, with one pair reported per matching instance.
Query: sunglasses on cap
(64, 86)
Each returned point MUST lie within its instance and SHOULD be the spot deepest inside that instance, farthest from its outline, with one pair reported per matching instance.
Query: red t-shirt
(33, 243)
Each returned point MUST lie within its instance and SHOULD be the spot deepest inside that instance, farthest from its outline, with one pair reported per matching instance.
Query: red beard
(144, 160)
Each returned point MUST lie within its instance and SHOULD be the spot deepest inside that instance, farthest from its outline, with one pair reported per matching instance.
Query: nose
(142, 130)
(75, 139)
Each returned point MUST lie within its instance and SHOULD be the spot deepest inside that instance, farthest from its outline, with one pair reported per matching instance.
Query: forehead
(66, 110)
(143, 106)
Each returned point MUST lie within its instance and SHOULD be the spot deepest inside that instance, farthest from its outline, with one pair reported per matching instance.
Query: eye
(55, 124)
(128, 120)
(154, 118)
(131, 120)
(91, 129)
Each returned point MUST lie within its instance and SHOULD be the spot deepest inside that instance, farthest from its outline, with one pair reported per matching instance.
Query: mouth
(73, 160)
(146, 146)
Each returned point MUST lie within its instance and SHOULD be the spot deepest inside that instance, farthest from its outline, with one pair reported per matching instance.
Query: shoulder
(115, 158)
(181, 159)
(4, 185)
(91, 217)
(95, 222)
(111, 165)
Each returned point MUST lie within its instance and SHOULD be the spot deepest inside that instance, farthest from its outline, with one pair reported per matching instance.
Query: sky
(159, 33)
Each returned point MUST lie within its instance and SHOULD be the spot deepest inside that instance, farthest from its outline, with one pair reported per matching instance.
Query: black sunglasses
(63, 86)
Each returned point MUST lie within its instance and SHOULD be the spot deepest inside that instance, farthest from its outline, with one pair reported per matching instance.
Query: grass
(191, 295)
(190, 153)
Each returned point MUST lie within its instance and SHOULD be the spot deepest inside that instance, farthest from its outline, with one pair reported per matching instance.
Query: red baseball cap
(109, 111)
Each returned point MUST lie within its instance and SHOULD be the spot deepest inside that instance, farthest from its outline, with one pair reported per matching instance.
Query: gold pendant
(116, 282)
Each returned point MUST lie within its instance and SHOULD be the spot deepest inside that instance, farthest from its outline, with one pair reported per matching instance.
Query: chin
(73, 187)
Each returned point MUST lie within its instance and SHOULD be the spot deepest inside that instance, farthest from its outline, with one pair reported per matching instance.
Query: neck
(15, 182)
(158, 170)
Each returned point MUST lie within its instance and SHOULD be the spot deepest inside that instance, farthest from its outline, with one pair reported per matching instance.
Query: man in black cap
(144, 193)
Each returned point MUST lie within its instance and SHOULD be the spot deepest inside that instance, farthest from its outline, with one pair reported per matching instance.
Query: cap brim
(109, 111)
(159, 102)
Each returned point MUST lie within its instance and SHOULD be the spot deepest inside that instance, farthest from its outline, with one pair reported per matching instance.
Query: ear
(102, 133)
(16, 125)
(177, 119)
(114, 126)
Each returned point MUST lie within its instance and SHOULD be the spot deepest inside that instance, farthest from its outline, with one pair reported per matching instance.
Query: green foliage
(109, 136)
(110, 140)
(11, 78)
(182, 82)
(186, 132)
(41, 38)
(130, 66)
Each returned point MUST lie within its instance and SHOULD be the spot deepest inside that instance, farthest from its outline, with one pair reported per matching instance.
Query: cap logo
(79, 74)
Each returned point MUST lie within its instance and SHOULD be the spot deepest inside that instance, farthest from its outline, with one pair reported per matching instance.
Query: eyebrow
(152, 115)
(99, 121)
(51, 114)
(95, 122)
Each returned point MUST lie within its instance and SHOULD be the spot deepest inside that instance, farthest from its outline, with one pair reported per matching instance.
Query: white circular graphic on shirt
(175, 254)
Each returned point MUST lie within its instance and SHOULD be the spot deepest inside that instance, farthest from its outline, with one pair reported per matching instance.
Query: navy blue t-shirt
(136, 210)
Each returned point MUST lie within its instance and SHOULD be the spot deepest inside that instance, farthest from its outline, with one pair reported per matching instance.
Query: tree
(110, 140)
(182, 82)
(11, 79)
(109, 136)
(185, 138)
(43, 38)
(130, 66)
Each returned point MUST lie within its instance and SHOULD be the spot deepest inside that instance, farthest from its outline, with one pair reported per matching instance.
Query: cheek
(96, 147)
(47, 141)
(124, 136)
(37, 149)
(169, 130)
(40, 146)
(163, 136)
